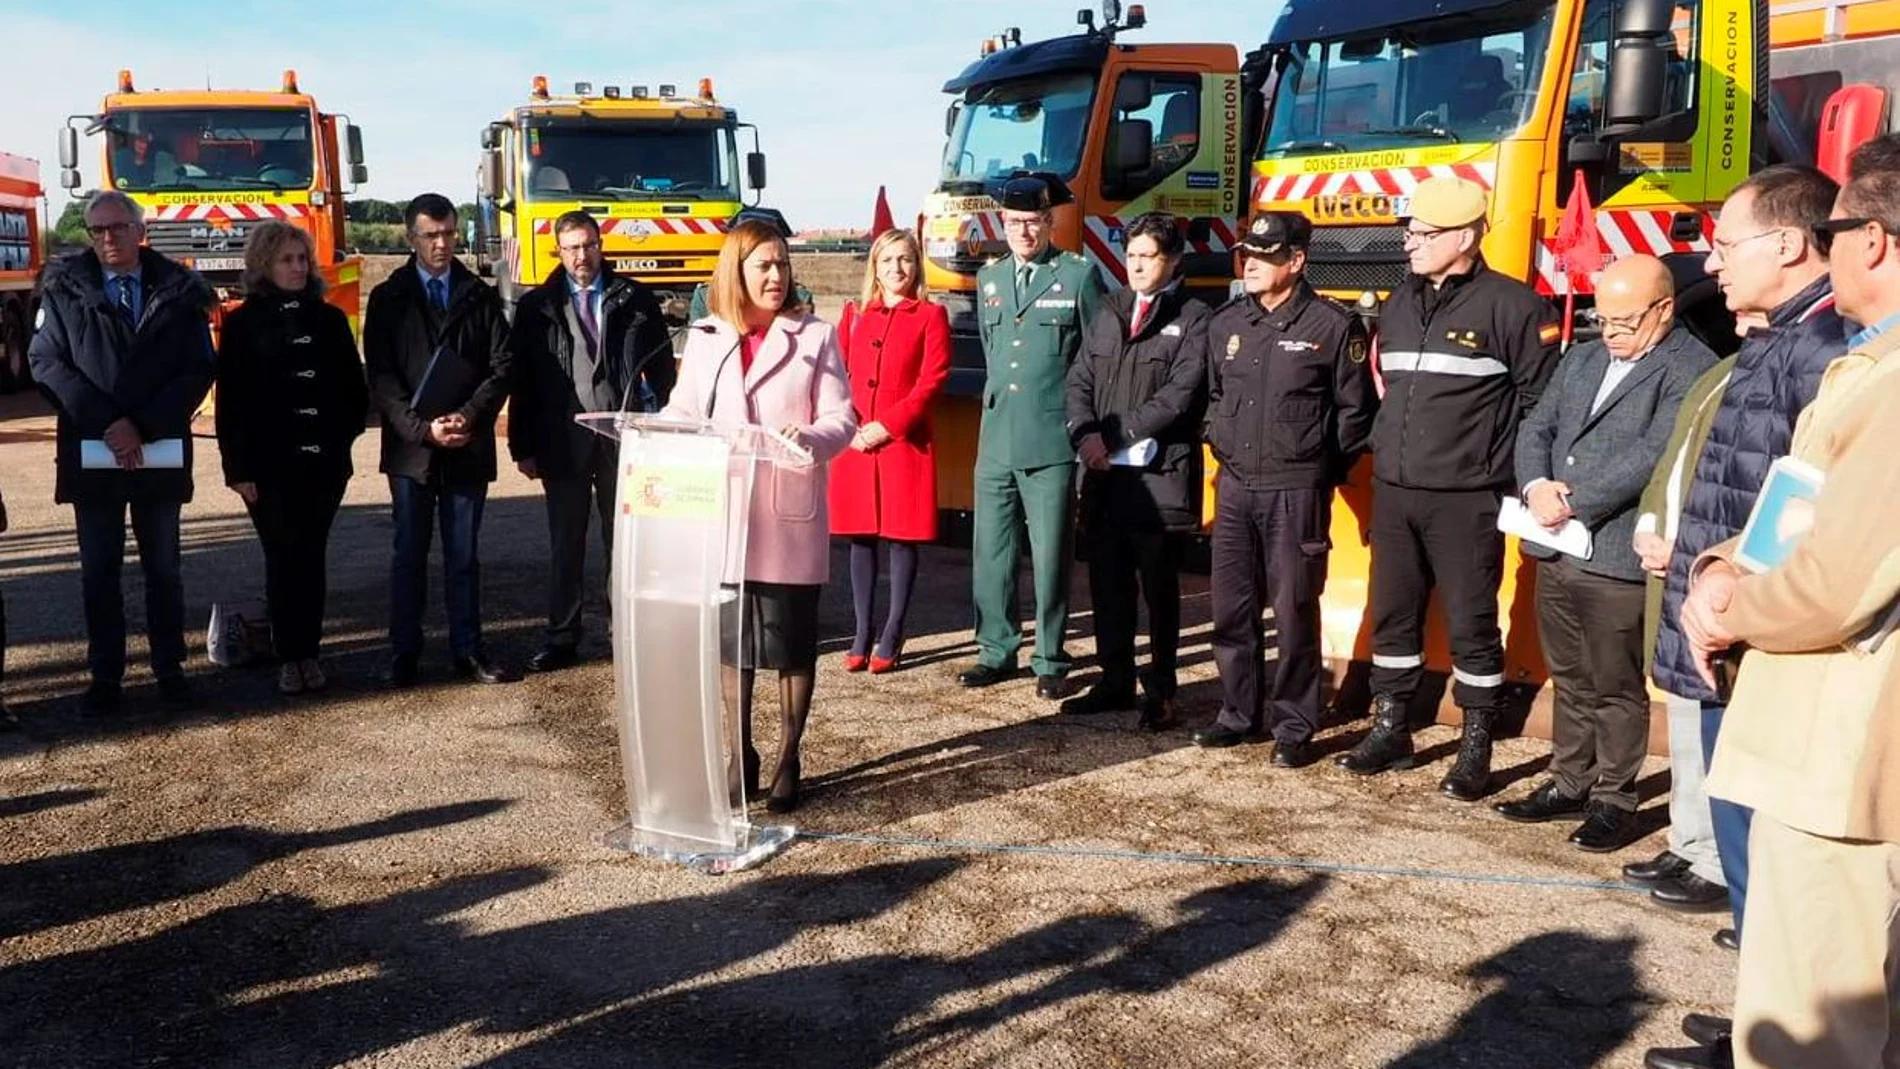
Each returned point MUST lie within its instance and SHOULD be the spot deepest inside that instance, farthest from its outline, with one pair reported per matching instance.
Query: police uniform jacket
(1150, 385)
(1029, 341)
(1463, 363)
(1290, 394)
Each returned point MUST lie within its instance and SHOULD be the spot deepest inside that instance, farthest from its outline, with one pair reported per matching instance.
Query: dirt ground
(368, 879)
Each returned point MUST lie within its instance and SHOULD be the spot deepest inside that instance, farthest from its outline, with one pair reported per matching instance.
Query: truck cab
(659, 172)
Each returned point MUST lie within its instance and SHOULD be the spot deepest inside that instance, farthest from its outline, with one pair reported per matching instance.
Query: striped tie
(127, 304)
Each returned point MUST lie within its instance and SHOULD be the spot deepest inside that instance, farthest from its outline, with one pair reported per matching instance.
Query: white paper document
(1573, 538)
(1137, 454)
(94, 453)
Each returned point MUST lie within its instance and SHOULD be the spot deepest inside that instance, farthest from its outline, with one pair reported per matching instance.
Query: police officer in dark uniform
(1291, 403)
(1465, 353)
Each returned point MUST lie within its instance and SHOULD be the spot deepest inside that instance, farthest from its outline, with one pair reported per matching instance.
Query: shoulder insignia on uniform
(1356, 348)
(1549, 333)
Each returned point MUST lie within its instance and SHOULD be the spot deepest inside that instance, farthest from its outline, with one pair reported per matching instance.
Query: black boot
(1470, 777)
(1390, 744)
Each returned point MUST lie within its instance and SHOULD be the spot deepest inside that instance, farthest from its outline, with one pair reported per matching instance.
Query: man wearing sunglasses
(124, 352)
(1768, 264)
(1465, 352)
(1584, 455)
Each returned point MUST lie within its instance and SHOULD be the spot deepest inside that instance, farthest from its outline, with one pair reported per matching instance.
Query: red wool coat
(897, 359)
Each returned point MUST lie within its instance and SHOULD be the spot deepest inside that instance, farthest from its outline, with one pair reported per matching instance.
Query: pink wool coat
(796, 377)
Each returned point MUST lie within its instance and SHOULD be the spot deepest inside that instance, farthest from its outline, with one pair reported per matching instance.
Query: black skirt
(781, 627)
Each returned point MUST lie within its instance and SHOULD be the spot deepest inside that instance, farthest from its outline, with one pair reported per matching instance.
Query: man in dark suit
(124, 353)
(439, 463)
(1585, 454)
(586, 340)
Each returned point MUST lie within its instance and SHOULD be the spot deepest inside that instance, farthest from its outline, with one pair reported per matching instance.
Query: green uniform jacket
(1693, 421)
(1029, 341)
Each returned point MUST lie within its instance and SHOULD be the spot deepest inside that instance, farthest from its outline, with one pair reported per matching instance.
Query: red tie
(1143, 305)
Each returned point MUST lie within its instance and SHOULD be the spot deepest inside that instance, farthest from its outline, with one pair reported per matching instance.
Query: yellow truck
(658, 170)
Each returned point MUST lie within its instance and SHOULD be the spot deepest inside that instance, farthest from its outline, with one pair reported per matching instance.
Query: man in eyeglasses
(1465, 353)
(124, 353)
(1768, 264)
(1584, 456)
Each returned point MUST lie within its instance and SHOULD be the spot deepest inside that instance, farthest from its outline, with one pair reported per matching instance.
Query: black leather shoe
(554, 658)
(984, 675)
(1095, 701)
(1158, 714)
(1706, 1028)
(401, 672)
(1053, 688)
(1389, 746)
(1664, 866)
(175, 694)
(1689, 893)
(101, 700)
(478, 667)
(1726, 938)
(1216, 737)
(1719, 1056)
(1605, 829)
(1292, 755)
(1546, 803)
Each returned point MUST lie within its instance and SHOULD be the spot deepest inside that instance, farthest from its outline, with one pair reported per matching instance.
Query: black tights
(794, 699)
(864, 585)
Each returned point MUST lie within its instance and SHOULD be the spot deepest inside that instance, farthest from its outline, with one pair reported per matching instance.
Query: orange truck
(1663, 106)
(208, 165)
(21, 256)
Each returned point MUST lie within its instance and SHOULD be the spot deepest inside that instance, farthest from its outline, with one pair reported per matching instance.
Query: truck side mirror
(1640, 49)
(1134, 146)
(68, 149)
(359, 174)
(353, 148)
(490, 174)
(491, 136)
(1134, 93)
(68, 178)
(950, 117)
(755, 169)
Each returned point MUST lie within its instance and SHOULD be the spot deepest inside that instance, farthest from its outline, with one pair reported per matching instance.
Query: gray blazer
(1607, 456)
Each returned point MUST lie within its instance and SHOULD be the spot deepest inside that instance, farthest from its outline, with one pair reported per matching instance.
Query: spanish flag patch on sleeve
(1549, 332)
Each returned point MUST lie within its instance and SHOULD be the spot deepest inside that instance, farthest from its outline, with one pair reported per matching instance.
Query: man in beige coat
(1812, 739)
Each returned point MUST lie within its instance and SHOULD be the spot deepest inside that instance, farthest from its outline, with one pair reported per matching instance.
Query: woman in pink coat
(761, 358)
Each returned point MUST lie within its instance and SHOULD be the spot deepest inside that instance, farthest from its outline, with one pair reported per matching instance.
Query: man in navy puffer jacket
(1768, 267)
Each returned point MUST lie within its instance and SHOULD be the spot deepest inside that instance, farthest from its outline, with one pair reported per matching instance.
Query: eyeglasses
(1727, 248)
(1031, 224)
(1420, 237)
(569, 250)
(117, 230)
(1825, 232)
(1628, 324)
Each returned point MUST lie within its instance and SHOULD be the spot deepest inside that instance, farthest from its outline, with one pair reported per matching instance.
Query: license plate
(219, 263)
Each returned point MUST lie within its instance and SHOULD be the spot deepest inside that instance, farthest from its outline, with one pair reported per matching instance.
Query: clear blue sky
(846, 93)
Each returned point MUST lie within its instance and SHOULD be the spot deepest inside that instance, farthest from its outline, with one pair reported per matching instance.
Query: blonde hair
(725, 295)
(261, 249)
(872, 287)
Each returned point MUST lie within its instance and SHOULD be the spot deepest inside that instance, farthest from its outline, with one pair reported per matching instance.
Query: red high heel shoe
(854, 663)
(881, 665)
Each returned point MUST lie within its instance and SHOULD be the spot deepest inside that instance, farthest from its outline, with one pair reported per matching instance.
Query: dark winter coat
(291, 393)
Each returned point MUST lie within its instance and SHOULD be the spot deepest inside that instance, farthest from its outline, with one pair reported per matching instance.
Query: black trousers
(1446, 540)
(293, 518)
(572, 500)
(1126, 565)
(1592, 628)
(1269, 549)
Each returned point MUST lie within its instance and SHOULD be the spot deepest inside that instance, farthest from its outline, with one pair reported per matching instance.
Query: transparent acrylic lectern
(682, 501)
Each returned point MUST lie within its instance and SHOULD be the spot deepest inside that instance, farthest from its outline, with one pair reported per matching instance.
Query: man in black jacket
(1135, 389)
(1291, 402)
(441, 460)
(586, 340)
(124, 353)
(1465, 352)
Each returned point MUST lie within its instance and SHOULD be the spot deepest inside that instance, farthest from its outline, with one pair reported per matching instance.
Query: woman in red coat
(884, 488)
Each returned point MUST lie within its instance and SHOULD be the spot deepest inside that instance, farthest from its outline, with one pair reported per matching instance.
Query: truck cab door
(1163, 152)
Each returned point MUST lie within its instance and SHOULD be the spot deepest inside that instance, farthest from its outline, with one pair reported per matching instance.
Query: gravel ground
(368, 879)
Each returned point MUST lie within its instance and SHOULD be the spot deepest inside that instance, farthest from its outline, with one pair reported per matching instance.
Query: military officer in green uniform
(1032, 310)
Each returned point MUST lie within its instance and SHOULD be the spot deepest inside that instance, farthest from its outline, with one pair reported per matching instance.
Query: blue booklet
(1783, 513)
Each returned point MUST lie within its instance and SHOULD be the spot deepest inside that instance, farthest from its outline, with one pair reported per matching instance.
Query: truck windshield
(1467, 78)
(1034, 124)
(223, 149)
(631, 160)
